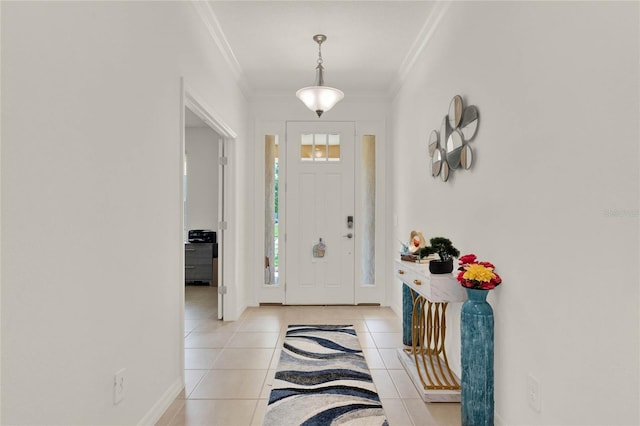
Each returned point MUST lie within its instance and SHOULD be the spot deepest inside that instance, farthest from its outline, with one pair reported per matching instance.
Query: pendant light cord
(319, 53)
(319, 68)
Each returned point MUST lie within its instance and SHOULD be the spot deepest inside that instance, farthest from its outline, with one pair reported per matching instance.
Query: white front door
(320, 200)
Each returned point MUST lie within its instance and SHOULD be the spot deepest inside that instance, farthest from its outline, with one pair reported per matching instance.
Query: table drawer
(407, 276)
(198, 272)
(194, 261)
(197, 252)
(436, 288)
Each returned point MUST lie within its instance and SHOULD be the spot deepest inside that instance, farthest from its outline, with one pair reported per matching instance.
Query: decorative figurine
(416, 242)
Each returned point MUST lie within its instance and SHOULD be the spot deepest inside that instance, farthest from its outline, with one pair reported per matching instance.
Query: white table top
(435, 287)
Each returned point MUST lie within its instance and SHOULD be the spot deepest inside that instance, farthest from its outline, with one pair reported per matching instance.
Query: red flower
(467, 258)
(487, 264)
(471, 259)
(487, 286)
(497, 280)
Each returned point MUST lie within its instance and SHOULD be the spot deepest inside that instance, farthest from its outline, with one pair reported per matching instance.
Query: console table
(426, 361)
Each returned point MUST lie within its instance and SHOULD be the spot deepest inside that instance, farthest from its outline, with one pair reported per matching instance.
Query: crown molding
(424, 36)
(206, 13)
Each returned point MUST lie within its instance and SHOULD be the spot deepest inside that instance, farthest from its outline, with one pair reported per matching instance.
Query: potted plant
(446, 251)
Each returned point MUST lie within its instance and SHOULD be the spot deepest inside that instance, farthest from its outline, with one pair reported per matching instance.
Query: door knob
(349, 235)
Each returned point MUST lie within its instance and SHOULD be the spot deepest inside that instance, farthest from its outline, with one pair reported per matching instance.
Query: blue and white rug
(322, 380)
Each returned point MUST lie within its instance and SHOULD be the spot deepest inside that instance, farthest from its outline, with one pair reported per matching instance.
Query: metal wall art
(450, 149)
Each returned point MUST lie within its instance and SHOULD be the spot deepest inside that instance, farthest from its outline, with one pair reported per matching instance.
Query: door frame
(385, 229)
(226, 208)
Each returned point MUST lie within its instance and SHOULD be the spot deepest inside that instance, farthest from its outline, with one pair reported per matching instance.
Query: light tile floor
(229, 366)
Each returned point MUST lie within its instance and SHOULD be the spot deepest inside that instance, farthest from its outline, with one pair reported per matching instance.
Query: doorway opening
(201, 199)
(222, 223)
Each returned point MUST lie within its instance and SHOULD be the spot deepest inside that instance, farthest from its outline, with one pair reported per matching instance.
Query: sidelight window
(271, 179)
(368, 209)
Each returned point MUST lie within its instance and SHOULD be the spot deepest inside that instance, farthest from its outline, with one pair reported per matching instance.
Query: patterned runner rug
(322, 380)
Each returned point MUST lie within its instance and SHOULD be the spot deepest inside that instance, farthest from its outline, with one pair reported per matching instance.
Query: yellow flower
(477, 272)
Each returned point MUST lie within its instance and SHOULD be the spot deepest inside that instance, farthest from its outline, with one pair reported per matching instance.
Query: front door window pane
(320, 147)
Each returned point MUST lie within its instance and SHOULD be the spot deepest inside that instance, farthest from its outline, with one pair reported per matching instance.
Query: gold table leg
(428, 331)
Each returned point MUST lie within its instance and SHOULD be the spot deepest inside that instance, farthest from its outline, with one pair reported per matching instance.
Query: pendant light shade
(319, 98)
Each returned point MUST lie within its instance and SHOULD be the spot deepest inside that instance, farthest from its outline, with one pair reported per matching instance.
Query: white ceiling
(368, 42)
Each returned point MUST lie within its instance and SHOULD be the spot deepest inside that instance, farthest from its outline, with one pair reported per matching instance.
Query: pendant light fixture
(319, 98)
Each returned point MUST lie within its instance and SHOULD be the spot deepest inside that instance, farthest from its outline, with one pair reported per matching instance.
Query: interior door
(320, 166)
(220, 234)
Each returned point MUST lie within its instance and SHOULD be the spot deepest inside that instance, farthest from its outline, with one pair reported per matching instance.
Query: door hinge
(222, 289)
(223, 161)
(222, 225)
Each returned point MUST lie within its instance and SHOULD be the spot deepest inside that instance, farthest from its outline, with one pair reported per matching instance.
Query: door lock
(349, 235)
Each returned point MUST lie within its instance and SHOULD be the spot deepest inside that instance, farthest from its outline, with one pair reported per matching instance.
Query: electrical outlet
(118, 386)
(533, 393)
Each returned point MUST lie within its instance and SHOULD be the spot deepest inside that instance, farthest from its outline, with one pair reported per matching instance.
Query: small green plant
(442, 246)
(426, 251)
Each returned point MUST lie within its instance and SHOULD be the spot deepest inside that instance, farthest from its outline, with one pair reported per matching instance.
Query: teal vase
(407, 312)
(476, 328)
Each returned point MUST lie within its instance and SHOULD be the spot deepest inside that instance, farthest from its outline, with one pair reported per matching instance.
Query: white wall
(552, 199)
(202, 178)
(91, 172)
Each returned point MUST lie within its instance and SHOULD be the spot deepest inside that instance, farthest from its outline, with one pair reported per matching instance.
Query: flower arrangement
(478, 275)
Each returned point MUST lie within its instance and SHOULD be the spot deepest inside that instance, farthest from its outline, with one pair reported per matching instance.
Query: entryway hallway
(229, 366)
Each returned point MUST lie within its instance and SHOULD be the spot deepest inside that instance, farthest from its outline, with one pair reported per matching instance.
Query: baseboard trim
(397, 309)
(158, 409)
